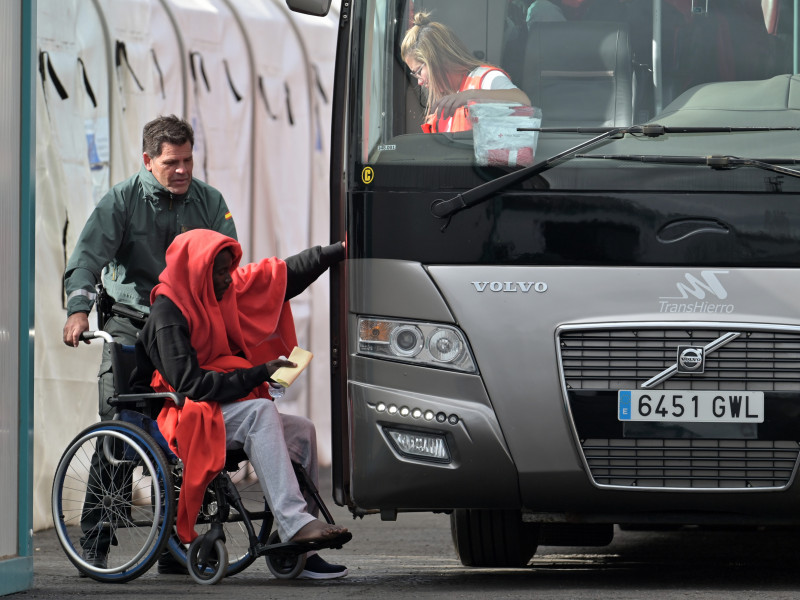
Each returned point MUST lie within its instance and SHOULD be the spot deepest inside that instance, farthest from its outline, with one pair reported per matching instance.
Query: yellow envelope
(286, 375)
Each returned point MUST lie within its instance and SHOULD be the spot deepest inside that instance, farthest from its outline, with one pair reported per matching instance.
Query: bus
(579, 312)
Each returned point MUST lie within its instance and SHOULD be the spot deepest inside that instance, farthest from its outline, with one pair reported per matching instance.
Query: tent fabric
(283, 190)
(71, 175)
(220, 103)
(261, 139)
(317, 37)
(146, 77)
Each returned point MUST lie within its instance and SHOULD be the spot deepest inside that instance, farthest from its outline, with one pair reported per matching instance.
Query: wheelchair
(117, 487)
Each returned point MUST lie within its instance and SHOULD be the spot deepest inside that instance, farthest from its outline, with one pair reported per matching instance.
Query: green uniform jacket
(129, 232)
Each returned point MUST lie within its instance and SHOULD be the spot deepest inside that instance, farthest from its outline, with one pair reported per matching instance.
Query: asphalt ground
(379, 554)
(413, 557)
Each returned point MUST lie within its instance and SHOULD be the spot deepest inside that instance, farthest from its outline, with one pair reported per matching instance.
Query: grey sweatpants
(272, 441)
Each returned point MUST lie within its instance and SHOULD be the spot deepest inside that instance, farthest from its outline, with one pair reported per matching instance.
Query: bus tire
(493, 538)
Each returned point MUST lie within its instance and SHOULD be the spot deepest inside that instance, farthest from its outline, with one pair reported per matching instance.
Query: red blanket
(251, 319)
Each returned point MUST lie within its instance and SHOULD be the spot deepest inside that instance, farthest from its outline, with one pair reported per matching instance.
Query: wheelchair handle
(91, 335)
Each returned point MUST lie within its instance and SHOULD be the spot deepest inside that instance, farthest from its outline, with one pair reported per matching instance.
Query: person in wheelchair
(214, 335)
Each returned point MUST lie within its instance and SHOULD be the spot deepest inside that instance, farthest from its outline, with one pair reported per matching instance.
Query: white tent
(317, 37)
(71, 175)
(220, 103)
(146, 76)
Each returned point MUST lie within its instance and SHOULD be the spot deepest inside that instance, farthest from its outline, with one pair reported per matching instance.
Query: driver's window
(376, 100)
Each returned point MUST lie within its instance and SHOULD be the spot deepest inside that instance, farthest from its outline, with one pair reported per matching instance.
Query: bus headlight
(445, 346)
(421, 343)
(406, 340)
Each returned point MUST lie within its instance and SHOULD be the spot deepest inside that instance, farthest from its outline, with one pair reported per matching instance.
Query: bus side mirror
(318, 8)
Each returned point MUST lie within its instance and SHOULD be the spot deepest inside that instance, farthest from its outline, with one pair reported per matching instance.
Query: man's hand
(76, 324)
(276, 364)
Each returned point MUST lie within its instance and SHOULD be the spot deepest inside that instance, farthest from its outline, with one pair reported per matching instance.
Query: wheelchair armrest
(145, 399)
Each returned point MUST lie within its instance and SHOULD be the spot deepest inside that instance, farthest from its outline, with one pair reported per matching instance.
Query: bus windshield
(541, 78)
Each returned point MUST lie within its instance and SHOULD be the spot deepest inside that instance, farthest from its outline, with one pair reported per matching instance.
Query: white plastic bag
(498, 141)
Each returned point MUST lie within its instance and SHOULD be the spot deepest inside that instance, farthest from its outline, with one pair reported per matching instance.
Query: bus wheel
(493, 538)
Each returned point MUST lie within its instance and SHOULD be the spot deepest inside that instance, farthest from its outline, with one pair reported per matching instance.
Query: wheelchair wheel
(113, 502)
(208, 569)
(284, 566)
(237, 541)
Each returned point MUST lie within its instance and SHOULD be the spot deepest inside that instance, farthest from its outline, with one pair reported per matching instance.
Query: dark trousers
(108, 497)
(109, 485)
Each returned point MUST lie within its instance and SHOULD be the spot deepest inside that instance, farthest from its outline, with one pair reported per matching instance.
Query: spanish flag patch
(228, 215)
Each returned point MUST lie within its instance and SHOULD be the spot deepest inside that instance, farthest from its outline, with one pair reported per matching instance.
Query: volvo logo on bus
(691, 359)
(510, 286)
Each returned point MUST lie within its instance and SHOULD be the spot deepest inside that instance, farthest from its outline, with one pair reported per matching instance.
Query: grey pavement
(379, 554)
(414, 557)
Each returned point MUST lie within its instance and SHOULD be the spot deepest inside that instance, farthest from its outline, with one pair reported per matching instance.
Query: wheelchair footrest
(293, 548)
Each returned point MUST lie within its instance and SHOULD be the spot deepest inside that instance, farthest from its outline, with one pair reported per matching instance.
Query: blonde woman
(452, 76)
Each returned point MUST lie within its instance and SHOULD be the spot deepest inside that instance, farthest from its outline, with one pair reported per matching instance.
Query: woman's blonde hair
(439, 49)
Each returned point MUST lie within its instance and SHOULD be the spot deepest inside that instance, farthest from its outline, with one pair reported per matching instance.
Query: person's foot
(318, 532)
(169, 565)
(94, 558)
(319, 568)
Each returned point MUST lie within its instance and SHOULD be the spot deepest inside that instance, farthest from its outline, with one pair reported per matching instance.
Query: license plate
(699, 406)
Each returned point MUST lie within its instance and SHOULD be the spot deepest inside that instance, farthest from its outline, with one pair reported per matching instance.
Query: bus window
(374, 80)
(608, 63)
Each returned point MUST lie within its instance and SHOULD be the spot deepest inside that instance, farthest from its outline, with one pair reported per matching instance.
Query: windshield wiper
(713, 161)
(445, 209)
(655, 130)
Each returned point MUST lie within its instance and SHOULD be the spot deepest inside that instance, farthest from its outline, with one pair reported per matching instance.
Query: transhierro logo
(698, 295)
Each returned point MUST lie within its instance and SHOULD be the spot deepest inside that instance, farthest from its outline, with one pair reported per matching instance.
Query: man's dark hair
(170, 129)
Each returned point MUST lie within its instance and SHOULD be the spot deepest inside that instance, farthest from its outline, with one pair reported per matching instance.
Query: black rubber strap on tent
(160, 72)
(86, 83)
(263, 93)
(318, 81)
(46, 65)
(199, 56)
(236, 94)
(122, 54)
(288, 102)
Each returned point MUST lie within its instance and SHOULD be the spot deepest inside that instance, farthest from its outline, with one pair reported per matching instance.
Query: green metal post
(795, 40)
(16, 574)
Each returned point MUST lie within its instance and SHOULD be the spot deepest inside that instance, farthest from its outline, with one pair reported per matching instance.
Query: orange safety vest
(459, 121)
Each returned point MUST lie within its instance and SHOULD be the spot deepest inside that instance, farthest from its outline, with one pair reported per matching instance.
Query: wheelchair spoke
(111, 497)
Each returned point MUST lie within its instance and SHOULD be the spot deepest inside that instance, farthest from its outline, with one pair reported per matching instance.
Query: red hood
(252, 316)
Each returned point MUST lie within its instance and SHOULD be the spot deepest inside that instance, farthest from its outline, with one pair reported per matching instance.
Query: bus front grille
(605, 359)
(615, 359)
(691, 464)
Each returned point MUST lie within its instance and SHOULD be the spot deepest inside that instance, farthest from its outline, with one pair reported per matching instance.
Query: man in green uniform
(127, 236)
